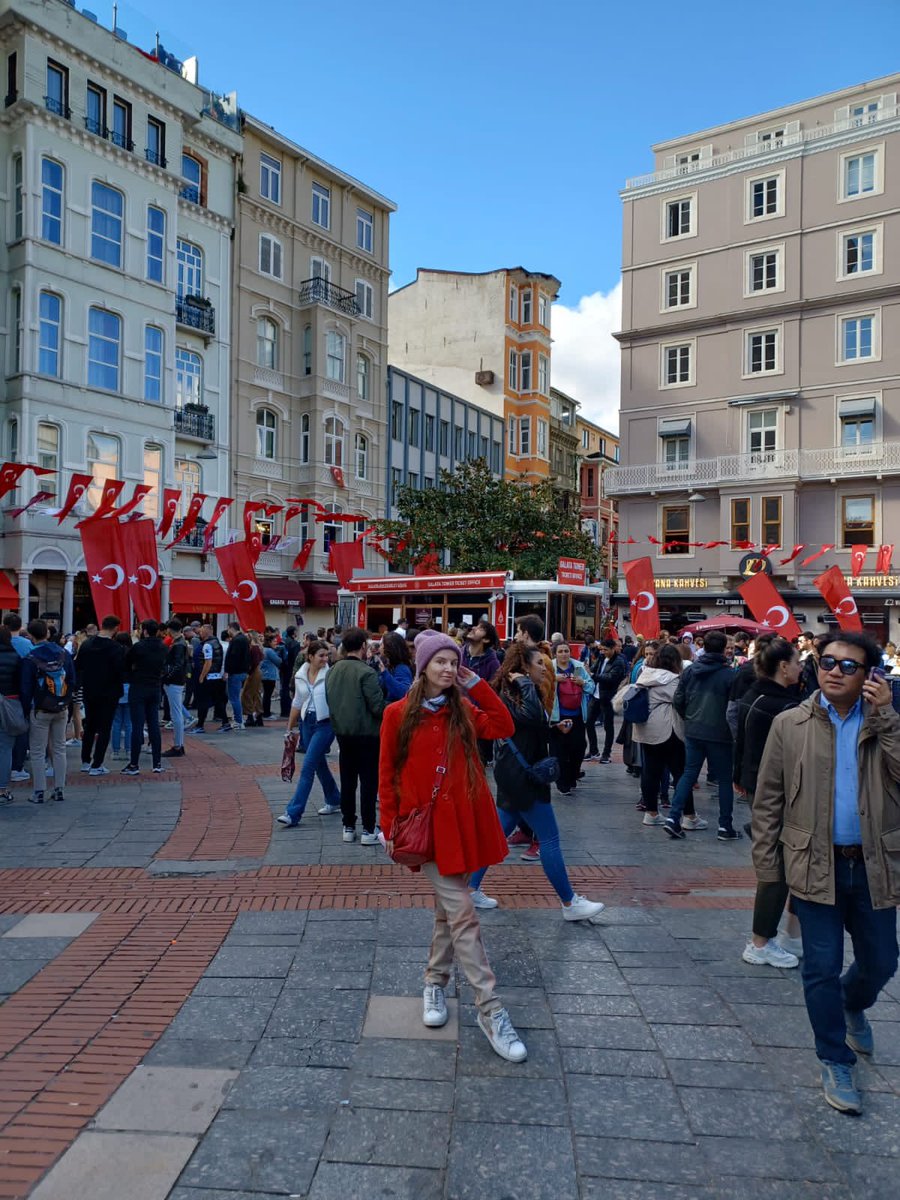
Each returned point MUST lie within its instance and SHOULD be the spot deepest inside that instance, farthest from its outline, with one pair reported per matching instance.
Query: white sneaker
(769, 955)
(327, 809)
(480, 900)
(792, 945)
(653, 819)
(19, 777)
(167, 725)
(349, 835)
(85, 768)
(499, 1031)
(582, 909)
(369, 839)
(101, 770)
(434, 1006)
(190, 723)
(694, 823)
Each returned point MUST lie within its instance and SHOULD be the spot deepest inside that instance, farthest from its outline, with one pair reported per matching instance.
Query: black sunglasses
(849, 666)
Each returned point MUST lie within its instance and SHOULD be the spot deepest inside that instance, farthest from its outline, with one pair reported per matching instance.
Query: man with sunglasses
(826, 820)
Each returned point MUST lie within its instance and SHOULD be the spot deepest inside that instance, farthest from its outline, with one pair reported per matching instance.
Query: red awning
(199, 595)
(282, 593)
(321, 595)
(9, 596)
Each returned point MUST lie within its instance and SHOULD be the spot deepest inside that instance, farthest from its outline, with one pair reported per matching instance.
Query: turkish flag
(818, 554)
(239, 576)
(171, 496)
(142, 565)
(857, 559)
(293, 510)
(768, 607)
(251, 508)
(836, 593)
(883, 564)
(140, 491)
(10, 474)
(303, 557)
(37, 498)
(254, 545)
(190, 519)
(793, 554)
(112, 490)
(222, 504)
(344, 558)
(78, 485)
(642, 594)
(104, 560)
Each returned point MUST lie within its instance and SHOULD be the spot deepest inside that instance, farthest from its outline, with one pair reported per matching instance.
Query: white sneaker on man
(434, 1006)
(480, 900)
(582, 909)
(694, 823)
(327, 809)
(101, 770)
(369, 839)
(19, 777)
(792, 945)
(85, 768)
(348, 835)
(499, 1031)
(769, 955)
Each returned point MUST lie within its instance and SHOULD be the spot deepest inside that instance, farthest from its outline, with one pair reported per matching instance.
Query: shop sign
(423, 616)
(429, 583)
(875, 581)
(754, 564)
(682, 584)
(572, 571)
(729, 603)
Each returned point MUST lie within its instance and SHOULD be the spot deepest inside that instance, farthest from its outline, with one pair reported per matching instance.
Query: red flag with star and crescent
(171, 496)
(190, 519)
(142, 565)
(642, 594)
(858, 559)
(239, 575)
(768, 607)
(104, 560)
(836, 593)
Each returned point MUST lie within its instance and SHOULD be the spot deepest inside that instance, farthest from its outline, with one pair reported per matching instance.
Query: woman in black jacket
(775, 690)
(10, 684)
(518, 684)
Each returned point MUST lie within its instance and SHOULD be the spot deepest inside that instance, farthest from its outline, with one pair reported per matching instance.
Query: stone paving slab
(98, 1163)
(51, 925)
(166, 1100)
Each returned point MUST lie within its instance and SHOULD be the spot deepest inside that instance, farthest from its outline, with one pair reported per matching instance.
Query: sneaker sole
(431, 1023)
(849, 1109)
(674, 834)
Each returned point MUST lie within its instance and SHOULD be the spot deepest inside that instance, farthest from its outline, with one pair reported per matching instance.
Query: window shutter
(842, 114)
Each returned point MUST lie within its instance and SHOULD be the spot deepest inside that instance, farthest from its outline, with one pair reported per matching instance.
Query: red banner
(240, 583)
(37, 498)
(171, 496)
(222, 504)
(883, 562)
(190, 519)
(836, 593)
(642, 594)
(823, 550)
(344, 558)
(251, 508)
(292, 510)
(858, 559)
(11, 473)
(768, 607)
(302, 558)
(112, 490)
(78, 485)
(140, 491)
(572, 571)
(793, 554)
(142, 565)
(104, 560)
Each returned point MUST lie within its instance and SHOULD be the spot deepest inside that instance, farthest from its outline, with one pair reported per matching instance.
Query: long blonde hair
(460, 731)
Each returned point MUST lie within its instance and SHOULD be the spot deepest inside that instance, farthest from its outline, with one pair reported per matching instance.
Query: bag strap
(440, 772)
(516, 752)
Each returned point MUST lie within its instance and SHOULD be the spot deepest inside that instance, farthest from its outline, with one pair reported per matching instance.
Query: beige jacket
(663, 718)
(793, 806)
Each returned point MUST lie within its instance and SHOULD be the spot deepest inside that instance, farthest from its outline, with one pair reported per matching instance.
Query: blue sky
(504, 129)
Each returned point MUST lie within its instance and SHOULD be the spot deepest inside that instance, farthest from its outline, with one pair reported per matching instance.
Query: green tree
(487, 524)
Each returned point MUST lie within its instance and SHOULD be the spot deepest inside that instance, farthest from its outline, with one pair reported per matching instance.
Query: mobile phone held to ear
(877, 674)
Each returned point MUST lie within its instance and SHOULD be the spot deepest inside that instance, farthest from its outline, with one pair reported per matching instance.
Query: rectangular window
(319, 268)
(857, 434)
(270, 178)
(678, 288)
(444, 438)
(544, 310)
(104, 340)
(396, 484)
(677, 365)
(513, 379)
(525, 368)
(57, 97)
(512, 439)
(103, 452)
(17, 334)
(765, 200)
(152, 478)
(513, 303)
(189, 259)
(107, 222)
(156, 243)
(589, 481)
(762, 435)
(471, 445)
(413, 480)
(50, 339)
(304, 450)
(48, 454)
(677, 453)
(542, 438)
(543, 374)
(321, 206)
(863, 114)
(676, 529)
(427, 482)
(526, 306)
(429, 433)
(121, 124)
(483, 452)
(525, 436)
(51, 201)
(858, 253)
(858, 520)
(496, 457)
(365, 225)
(413, 426)
(860, 174)
(771, 520)
(458, 443)
(95, 110)
(762, 352)
(396, 421)
(156, 142)
(740, 521)
(679, 217)
(763, 271)
(153, 364)
(365, 298)
(18, 185)
(858, 338)
(12, 79)
(188, 377)
(335, 350)
(269, 256)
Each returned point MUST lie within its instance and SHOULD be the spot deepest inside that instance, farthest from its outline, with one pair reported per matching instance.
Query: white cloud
(586, 356)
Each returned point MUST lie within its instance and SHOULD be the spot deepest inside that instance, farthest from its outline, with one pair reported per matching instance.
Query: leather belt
(854, 852)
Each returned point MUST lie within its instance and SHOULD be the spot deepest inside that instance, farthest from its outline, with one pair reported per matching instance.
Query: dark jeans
(873, 933)
(268, 689)
(601, 709)
(143, 704)
(20, 751)
(358, 765)
(211, 695)
(655, 760)
(719, 757)
(99, 712)
(569, 749)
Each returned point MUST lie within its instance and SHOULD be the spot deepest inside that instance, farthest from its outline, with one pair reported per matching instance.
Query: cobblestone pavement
(210, 1007)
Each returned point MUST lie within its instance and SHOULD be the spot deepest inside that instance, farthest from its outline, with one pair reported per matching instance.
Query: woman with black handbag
(523, 776)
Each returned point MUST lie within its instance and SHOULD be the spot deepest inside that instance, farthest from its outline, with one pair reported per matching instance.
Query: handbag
(521, 784)
(544, 772)
(636, 708)
(289, 756)
(569, 693)
(13, 721)
(413, 835)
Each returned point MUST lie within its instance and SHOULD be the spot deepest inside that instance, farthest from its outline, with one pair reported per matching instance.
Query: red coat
(467, 832)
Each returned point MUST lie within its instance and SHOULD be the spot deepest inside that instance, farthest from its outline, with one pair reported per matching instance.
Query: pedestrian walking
(309, 712)
(518, 686)
(99, 674)
(236, 668)
(570, 706)
(144, 664)
(429, 757)
(607, 679)
(11, 690)
(174, 679)
(48, 678)
(356, 703)
(825, 822)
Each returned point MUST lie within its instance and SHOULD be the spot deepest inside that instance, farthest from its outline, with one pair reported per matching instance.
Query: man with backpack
(48, 679)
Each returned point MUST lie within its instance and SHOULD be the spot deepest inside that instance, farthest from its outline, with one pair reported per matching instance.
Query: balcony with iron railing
(762, 149)
(195, 312)
(829, 462)
(155, 156)
(321, 291)
(190, 422)
(194, 540)
(55, 105)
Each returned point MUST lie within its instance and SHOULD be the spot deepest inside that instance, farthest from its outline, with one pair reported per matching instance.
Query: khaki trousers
(47, 736)
(457, 931)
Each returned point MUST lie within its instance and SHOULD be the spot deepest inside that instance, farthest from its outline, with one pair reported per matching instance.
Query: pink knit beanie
(429, 643)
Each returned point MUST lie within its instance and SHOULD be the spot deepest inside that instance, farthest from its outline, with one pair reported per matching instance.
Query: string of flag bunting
(858, 553)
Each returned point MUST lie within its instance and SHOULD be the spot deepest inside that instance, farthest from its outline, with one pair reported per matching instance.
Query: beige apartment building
(309, 362)
(761, 352)
(485, 338)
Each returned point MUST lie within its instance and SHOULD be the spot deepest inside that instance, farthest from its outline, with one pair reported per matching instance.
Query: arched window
(190, 269)
(361, 456)
(188, 377)
(265, 433)
(192, 171)
(267, 343)
(331, 530)
(334, 442)
(335, 353)
(362, 377)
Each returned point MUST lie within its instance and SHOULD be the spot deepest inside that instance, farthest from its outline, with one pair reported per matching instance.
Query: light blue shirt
(847, 830)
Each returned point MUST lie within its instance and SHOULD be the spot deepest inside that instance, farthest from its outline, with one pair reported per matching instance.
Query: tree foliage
(486, 524)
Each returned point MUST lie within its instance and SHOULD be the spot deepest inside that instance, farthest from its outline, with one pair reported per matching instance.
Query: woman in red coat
(429, 745)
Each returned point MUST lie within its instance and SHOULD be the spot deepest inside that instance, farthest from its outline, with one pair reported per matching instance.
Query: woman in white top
(309, 708)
